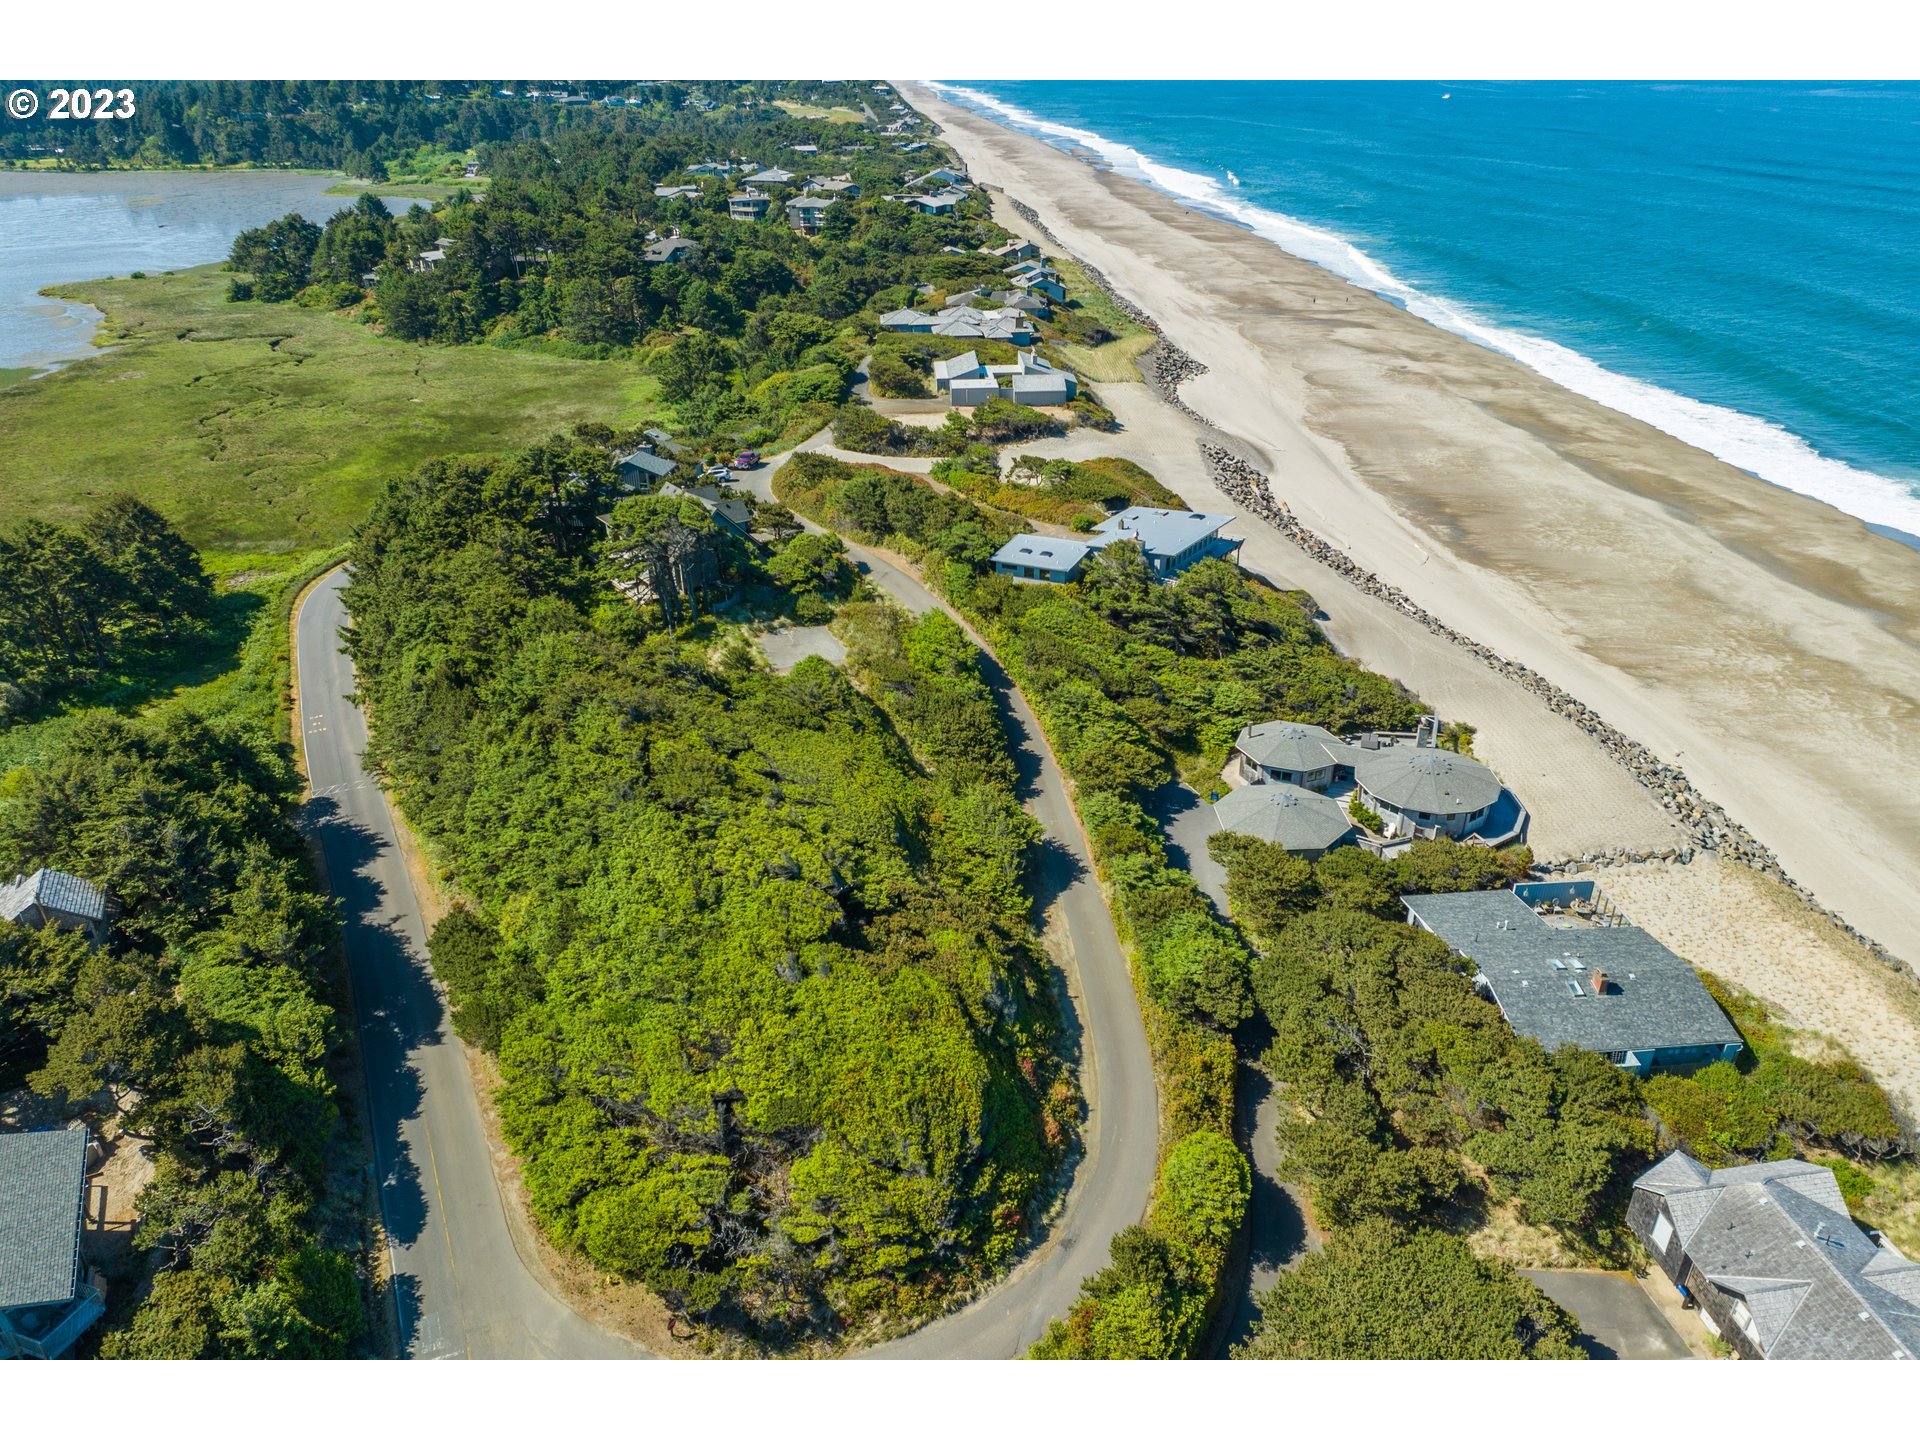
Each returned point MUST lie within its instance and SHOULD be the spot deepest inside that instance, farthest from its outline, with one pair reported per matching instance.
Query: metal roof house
(53, 899)
(1610, 988)
(46, 1303)
(1029, 381)
(674, 192)
(1041, 557)
(1775, 1264)
(1299, 820)
(1171, 540)
(772, 175)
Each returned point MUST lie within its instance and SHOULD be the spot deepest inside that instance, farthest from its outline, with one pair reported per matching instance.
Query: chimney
(1599, 978)
(1427, 734)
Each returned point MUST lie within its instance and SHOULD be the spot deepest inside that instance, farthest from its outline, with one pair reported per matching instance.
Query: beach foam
(1758, 446)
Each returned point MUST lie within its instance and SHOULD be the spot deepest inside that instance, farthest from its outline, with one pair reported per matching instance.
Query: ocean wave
(1759, 446)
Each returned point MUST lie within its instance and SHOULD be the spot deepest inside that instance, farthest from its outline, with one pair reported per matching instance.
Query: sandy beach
(1765, 643)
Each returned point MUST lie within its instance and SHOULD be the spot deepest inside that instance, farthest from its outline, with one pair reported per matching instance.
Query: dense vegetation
(1771, 1104)
(753, 951)
(116, 591)
(1413, 1105)
(1379, 1292)
(370, 128)
(1132, 678)
(200, 1023)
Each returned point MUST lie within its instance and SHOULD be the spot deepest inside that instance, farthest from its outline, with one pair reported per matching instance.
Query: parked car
(746, 460)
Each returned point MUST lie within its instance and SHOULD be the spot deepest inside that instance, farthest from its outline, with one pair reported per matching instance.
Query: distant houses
(644, 468)
(772, 175)
(834, 185)
(1014, 249)
(748, 205)
(808, 213)
(963, 322)
(1028, 381)
(54, 900)
(1565, 968)
(1170, 541)
(673, 250)
(1776, 1266)
(46, 1300)
(675, 192)
(940, 203)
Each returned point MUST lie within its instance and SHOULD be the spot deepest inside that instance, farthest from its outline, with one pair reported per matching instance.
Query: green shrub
(1385, 1292)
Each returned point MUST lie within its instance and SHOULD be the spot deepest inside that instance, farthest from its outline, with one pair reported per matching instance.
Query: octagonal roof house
(1305, 823)
(1289, 752)
(1417, 790)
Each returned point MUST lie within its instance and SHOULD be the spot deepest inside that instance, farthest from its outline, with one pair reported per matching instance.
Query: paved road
(1114, 1179)
(460, 1287)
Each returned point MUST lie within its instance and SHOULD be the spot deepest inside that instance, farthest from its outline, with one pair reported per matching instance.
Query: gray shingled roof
(43, 1176)
(1778, 1235)
(647, 461)
(52, 890)
(1287, 815)
(1283, 745)
(1434, 782)
(1654, 999)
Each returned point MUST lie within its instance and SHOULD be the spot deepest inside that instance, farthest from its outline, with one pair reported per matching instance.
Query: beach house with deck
(1566, 968)
(1170, 541)
(47, 1300)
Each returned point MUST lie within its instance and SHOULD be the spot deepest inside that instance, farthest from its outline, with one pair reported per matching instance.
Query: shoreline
(1745, 439)
(1813, 634)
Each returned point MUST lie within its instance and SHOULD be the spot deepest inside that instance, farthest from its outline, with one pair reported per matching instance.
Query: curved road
(462, 1287)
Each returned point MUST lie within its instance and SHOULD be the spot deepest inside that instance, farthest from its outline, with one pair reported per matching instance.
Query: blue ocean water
(1736, 264)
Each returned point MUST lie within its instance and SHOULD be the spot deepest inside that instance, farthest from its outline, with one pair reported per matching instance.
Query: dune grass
(832, 114)
(271, 428)
(1111, 363)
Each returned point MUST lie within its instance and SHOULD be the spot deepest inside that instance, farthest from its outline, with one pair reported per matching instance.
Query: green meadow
(271, 428)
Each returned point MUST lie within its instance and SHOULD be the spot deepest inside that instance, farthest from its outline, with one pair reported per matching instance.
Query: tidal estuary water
(56, 228)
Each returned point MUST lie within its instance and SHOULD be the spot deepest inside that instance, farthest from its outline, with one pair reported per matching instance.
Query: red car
(746, 460)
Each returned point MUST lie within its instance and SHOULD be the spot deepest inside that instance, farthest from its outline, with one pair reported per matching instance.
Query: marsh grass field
(270, 429)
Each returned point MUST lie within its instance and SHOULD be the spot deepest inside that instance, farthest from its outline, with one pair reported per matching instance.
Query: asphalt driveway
(1618, 1321)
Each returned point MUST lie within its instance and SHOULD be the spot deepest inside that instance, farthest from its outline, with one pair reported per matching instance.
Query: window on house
(1662, 1233)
